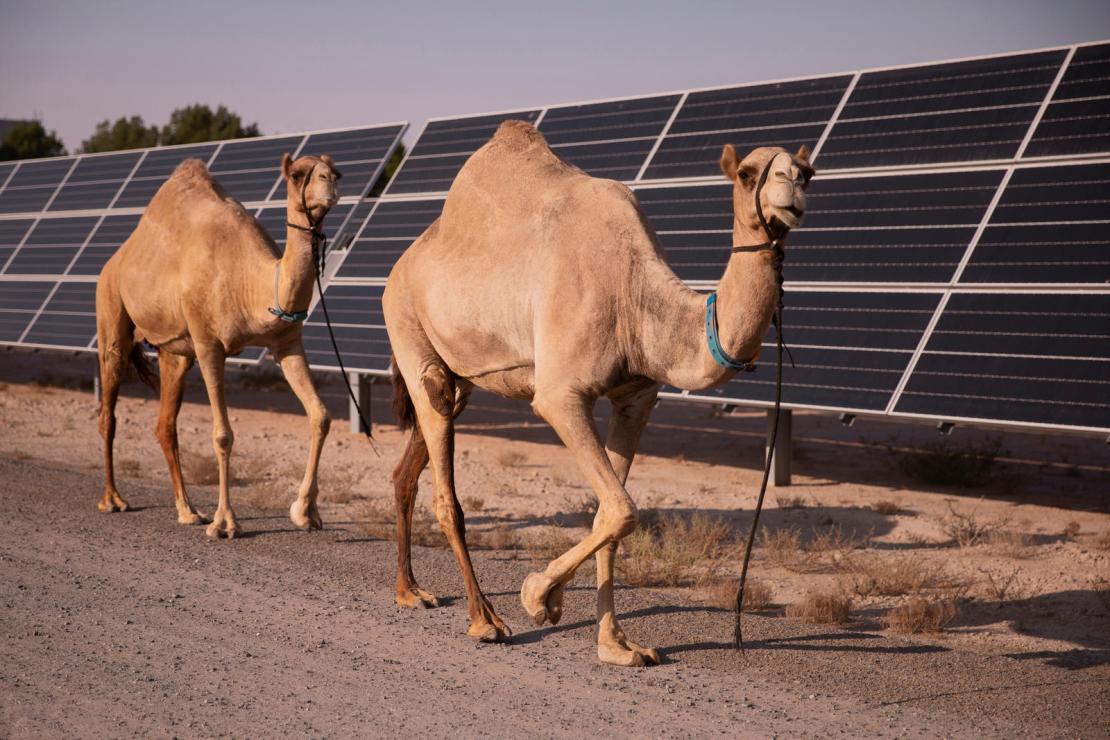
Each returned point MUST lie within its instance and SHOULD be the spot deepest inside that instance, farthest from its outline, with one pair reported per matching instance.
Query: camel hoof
(628, 655)
(416, 598)
(112, 502)
(305, 516)
(191, 517)
(222, 524)
(488, 632)
(542, 598)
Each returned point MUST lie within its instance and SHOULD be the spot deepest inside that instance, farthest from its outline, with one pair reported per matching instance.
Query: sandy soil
(131, 624)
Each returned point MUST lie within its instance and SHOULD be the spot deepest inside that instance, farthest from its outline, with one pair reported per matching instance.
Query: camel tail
(143, 366)
(403, 410)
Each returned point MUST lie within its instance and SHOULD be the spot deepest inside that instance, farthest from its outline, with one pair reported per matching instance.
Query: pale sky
(324, 64)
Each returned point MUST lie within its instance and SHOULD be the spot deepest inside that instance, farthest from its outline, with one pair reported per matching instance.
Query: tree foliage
(388, 171)
(125, 133)
(30, 141)
(196, 123)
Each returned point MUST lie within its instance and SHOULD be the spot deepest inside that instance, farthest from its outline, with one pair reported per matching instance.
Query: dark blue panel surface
(1076, 121)
(1039, 358)
(51, 245)
(155, 169)
(787, 114)
(11, 234)
(68, 319)
(33, 184)
(112, 232)
(952, 112)
(356, 316)
(19, 300)
(357, 154)
(391, 229)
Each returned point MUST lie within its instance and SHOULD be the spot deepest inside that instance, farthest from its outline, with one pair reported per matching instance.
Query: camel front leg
(630, 416)
(304, 512)
(568, 412)
(211, 360)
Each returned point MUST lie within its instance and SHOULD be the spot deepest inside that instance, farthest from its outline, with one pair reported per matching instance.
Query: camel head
(782, 197)
(315, 177)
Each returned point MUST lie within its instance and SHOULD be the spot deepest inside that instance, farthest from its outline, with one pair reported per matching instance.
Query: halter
(319, 247)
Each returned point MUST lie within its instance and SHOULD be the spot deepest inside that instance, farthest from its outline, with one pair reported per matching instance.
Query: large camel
(540, 282)
(200, 280)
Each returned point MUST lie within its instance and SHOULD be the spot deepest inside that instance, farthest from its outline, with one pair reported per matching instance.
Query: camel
(200, 279)
(539, 282)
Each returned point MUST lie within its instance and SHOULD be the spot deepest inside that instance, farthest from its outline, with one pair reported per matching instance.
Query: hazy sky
(320, 64)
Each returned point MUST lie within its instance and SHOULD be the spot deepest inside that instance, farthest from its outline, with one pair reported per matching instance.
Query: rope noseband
(319, 247)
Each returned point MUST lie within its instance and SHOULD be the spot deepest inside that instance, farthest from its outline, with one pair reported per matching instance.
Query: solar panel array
(955, 258)
(62, 218)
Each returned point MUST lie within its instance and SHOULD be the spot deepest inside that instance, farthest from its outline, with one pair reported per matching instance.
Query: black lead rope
(319, 256)
(777, 257)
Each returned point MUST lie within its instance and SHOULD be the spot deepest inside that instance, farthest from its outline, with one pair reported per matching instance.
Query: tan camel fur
(540, 282)
(196, 280)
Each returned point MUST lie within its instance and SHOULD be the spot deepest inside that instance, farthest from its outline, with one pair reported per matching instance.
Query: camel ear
(326, 159)
(803, 153)
(286, 166)
(802, 158)
(729, 162)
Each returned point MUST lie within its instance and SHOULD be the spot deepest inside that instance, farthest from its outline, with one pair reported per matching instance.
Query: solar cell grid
(1051, 225)
(1075, 121)
(787, 114)
(19, 301)
(11, 236)
(389, 231)
(51, 245)
(33, 184)
(959, 111)
(359, 327)
(108, 236)
(1033, 358)
(155, 169)
(358, 154)
(68, 320)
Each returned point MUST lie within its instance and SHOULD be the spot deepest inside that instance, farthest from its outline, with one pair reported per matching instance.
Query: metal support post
(360, 384)
(96, 387)
(780, 461)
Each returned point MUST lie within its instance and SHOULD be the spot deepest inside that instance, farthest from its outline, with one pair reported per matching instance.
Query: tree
(196, 123)
(388, 172)
(125, 133)
(30, 141)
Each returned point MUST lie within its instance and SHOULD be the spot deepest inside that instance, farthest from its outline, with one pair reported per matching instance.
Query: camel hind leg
(172, 369)
(405, 484)
(114, 341)
(436, 402)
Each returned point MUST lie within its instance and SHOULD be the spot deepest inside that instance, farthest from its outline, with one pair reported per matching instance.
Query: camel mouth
(790, 216)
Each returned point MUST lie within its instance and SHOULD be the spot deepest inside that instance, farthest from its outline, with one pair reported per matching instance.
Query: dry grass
(965, 529)
(782, 546)
(920, 615)
(472, 503)
(378, 519)
(668, 552)
(510, 458)
(1071, 530)
(887, 508)
(544, 544)
(790, 502)
(721, 593)
(874, 576)
(822, 607)
(1010, 543)
(825, 550)
(497, 537)
(1005, 587)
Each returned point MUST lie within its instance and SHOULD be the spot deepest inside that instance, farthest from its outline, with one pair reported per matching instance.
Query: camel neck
(298, 270)
(673, 347)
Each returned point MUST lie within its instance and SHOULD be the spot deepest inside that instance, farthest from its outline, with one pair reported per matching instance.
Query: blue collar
(722, 358)
(289, 317)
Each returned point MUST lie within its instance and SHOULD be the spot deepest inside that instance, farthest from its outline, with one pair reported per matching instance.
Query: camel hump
(518, 135)
(191, 169)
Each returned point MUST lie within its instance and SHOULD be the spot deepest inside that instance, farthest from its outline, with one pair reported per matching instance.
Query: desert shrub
(665, 553)
(1071, 530)
(887, 508)
(790, 502)
(544, 544)
(920, 615)
(944, 463)
(822, 607)
(965, 529)
(873, 576)
(1004, 587)
(721, 592)
(781, 546)
(510, 458)
(1011, 543)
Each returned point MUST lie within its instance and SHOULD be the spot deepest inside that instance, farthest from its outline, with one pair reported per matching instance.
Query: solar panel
(960, 111)
(19, 302)
(1051, 225)
(1018, 357)
(68, 320)
(155, 169)
(249, 169)
(94, 182)
(11, 236)
(390, 230)
(787, 114)
(359, 327)
(51, 246)
(108, 236)
(1071, 123)
(32, 186)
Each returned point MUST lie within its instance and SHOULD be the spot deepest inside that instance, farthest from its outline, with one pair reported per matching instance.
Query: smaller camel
(541, 283)
(200, 279)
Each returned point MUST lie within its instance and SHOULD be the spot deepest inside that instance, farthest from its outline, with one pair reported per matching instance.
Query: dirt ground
(131, 624)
